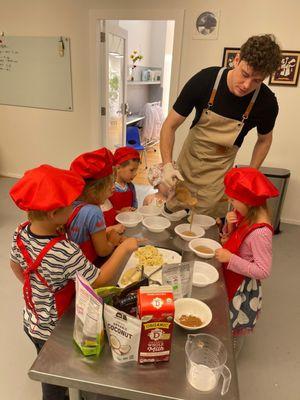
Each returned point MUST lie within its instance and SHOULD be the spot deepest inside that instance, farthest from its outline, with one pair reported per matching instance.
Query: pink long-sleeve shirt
(254, 258)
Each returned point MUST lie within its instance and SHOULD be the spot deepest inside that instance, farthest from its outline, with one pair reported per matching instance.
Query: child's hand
(120, 228)
(223, 255)
(131, 244)
(114, 237)
(139, 241)
(231, 217)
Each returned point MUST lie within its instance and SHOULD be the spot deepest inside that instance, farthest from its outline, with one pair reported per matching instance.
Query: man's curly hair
(262, 53)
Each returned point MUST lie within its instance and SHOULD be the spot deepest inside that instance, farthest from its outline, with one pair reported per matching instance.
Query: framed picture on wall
(229, 54)
(206, 24)
(288, 72)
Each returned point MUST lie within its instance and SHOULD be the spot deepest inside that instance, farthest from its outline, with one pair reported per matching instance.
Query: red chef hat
(123, 154)
(249, 186)
(93, 165)
(46, 188)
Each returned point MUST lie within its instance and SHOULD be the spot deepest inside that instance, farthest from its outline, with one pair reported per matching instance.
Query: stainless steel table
(60, 362)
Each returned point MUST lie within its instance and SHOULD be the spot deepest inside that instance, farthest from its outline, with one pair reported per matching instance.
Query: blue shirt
(89, 220)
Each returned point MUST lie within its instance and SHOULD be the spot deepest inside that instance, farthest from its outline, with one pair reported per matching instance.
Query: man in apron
(229, 103)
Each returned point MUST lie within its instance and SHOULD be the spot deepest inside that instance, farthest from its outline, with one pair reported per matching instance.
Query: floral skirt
(245, 307)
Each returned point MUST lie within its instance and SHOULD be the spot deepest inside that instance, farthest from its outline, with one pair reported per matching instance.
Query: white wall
(139, 38)
(33, 136)
(148, 38)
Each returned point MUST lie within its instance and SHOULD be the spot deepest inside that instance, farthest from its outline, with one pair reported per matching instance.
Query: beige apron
(208, 153)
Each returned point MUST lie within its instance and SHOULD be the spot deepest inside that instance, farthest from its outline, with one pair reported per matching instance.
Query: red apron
(87, 247)
(234, 280)
(110, 217)
(62, 297)
(120, 200)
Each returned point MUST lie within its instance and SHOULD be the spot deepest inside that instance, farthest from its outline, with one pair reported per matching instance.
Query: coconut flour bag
(88, 327)
(123, 333)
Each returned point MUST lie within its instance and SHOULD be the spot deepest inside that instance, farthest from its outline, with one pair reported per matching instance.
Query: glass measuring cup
(205, 357)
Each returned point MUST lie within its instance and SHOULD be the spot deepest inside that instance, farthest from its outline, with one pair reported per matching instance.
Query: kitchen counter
(60, 362)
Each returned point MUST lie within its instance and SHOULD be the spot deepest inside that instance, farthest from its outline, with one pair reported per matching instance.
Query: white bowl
(149, 210)
(190, 306)
(156, 224)
(204, 274)
(176, 216)
(129, 218)
(203, 220)
(212, 244)
(197, 229)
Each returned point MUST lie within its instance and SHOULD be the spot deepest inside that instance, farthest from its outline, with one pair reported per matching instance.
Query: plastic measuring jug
(205, 357)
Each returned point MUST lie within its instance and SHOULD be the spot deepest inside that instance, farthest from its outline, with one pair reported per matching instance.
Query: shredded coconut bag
(88, 327)
(123, 332)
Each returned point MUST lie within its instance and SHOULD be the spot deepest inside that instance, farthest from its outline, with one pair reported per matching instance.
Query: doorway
(149, 81)
(136, 78)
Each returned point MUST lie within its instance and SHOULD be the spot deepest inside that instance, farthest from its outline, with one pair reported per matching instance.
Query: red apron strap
(233, 280)
(74, 213)
(110, 217)
(32, 267)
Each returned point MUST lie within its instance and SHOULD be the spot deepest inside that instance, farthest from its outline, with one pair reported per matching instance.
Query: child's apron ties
(62, 297)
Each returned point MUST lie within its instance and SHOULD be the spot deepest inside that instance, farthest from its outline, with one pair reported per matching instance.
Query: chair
(133, 140)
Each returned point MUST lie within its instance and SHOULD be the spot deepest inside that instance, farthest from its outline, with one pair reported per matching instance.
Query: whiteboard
(36, 72)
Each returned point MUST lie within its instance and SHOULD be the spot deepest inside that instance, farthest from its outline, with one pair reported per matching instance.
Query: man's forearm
(167, 137)
(260, 152)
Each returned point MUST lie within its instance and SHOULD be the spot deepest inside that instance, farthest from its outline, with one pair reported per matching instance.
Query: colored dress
(252, 249)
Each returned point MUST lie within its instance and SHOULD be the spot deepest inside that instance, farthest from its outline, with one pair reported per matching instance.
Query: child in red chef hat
(126, 161)
(246, 255)
(43, 260)
(86, 226)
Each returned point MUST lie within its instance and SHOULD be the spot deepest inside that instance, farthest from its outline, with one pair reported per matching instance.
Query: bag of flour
(123, 333)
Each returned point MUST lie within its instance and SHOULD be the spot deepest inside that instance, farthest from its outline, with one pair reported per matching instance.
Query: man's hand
(223, 255)
(170, 175)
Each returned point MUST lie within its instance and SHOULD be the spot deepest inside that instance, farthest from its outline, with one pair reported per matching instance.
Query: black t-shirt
(197, 91)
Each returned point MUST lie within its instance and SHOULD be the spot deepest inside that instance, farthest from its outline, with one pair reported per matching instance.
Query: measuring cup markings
(206, 356)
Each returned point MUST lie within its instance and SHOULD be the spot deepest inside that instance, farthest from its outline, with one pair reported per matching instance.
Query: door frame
(103, 81)
(95, 16)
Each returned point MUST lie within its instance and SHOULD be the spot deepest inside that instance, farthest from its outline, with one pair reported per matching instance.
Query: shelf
(143, 82)
(131, 119)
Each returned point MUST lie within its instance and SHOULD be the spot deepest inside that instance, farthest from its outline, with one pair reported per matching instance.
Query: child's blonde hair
(95, 187)
(254, 211)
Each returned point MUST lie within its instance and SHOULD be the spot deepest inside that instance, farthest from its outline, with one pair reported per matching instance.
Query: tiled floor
(269, 364)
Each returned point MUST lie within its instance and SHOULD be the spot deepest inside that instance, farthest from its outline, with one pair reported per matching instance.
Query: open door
(113, 73)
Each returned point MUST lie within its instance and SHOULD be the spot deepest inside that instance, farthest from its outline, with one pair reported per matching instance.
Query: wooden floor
(153, 157)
